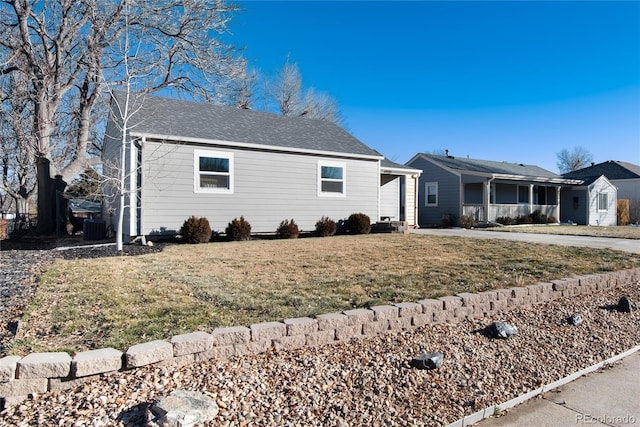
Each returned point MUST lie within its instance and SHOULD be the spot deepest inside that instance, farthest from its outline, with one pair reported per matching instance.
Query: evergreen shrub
(196, 230)
(467, 221)
(288, 230)
(238, 229)
(505, 220)
(326, 227)
(359, 223)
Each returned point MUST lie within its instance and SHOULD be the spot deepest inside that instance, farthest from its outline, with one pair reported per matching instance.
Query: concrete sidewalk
(626, 245)
(609, 396)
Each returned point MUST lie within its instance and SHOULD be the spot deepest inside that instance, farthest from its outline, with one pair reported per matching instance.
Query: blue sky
(507, 81)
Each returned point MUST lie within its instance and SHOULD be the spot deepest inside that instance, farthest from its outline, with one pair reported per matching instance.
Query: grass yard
(120, 301)
(627, 232)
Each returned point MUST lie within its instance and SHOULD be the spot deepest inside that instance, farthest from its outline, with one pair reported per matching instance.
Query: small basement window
(213, 171)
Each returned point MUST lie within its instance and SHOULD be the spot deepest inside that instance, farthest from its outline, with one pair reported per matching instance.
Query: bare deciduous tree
(292, 100)
(575, 159)
(66, 50)
(242, 90)
(16, 141)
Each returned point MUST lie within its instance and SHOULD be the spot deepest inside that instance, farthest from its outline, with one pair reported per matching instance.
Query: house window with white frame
(431, 194)
(213, 171)
(332, 179)
(603, 201)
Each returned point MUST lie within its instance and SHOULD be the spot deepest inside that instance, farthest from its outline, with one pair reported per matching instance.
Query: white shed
(591, 203)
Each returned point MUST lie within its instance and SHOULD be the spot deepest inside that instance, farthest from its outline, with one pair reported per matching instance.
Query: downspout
(139, 170)
(133, 185)
(378, 210)
(415, 201)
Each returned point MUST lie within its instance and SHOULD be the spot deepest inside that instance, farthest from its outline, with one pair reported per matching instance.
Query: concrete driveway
(625, 245)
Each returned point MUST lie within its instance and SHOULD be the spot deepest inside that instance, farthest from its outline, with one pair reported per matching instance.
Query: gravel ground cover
(18, 275)
(367, 381)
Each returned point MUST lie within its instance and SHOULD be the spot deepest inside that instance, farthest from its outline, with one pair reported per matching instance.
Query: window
(331, 179)
(431, 194)
(603, 201)
(213, 172)
(523, 194)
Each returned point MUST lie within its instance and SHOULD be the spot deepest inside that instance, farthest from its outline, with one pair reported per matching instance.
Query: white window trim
(333, 164)
(196, 171)
(606, 208)
(426, 193)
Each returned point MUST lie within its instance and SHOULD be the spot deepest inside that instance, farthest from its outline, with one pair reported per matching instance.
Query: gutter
(174, 139)
(549, 180)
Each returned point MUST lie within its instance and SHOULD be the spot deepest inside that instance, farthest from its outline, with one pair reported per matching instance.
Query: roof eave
(548, 180)
(231, 144)
(400, 171)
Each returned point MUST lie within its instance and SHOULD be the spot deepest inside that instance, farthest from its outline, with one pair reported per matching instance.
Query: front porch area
(489, 200)
(478, 212)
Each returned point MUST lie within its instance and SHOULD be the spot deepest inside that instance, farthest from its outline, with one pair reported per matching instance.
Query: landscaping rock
(575, 319)
(625, 305)
(428, 360)
(501, 330)
(182, 408)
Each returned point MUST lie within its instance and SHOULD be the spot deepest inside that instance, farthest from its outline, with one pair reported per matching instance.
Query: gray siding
(629, 189)
(390, 197)
(268, 188)
(111, 161)
(448, 193)
(474, 193)
(573, 205)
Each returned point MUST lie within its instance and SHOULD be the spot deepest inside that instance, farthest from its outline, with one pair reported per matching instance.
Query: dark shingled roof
(612, 169)
(187, 119)
(386, 163)
(491, 167)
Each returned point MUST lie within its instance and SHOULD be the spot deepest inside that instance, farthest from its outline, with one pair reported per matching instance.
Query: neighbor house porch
(486, 201)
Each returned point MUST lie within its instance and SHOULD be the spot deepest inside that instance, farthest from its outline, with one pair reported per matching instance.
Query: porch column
(530, 198)
(558, 204)
(486, 199)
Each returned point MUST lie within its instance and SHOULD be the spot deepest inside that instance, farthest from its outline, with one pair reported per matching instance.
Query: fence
(9, 227)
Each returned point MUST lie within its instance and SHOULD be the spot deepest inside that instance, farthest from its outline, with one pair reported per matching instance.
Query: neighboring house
(450, 187)
(81, 209)
(624, 175)
(186, 158)
(592, 202)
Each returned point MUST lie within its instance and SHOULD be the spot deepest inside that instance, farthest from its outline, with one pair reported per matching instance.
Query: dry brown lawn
(119, 301)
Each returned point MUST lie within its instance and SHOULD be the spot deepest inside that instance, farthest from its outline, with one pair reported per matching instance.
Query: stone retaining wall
(41, 372)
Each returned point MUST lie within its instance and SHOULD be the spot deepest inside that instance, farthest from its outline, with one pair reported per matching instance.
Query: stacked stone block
(41, 372)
